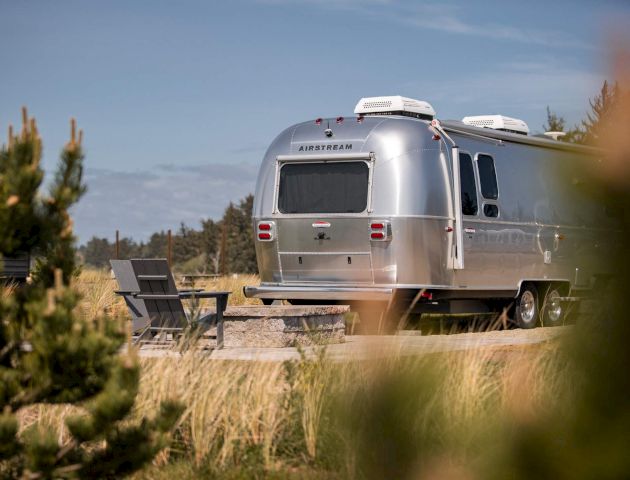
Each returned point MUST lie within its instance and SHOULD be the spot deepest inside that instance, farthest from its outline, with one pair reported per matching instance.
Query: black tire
(553, 311)
(527, 311)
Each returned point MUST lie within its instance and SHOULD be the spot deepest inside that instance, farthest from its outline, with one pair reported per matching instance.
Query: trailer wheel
(526, 312)
(553, 313)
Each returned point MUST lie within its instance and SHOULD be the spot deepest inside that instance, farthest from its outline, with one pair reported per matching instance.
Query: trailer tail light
(380, 231)
(426, 296)
(266, 231)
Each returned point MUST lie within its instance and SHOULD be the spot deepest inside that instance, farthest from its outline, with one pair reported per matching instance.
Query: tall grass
(97, 286)
(317, 418)
(329, 420)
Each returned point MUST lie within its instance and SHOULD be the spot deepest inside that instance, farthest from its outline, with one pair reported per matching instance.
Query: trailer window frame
(281, 161)
(494, 170)
(488, 201)
(463, 153)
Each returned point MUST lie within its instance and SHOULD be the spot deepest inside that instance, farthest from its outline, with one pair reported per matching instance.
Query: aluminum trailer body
(360, 208)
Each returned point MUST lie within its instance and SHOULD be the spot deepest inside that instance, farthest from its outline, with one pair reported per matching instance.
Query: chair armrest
(126, 293)
(202, 294)
(156, 296)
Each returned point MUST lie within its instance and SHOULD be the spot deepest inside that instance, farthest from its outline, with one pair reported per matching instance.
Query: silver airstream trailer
(392, 206)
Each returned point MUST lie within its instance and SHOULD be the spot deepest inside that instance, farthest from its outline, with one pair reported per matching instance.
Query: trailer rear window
(338, 187)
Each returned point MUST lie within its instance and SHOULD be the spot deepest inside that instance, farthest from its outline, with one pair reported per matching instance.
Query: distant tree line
(223, 247)
(589, 130)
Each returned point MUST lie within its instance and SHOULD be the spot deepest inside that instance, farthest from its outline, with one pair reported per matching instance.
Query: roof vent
(498, 122)
(555, 135)
(395, 105)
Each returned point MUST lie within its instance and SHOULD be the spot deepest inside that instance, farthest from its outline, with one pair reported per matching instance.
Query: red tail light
(266, 231)
(380, 230)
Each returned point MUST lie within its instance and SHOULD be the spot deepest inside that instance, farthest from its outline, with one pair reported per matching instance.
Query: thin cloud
(143, 202)
(443, 18)
(521, 89)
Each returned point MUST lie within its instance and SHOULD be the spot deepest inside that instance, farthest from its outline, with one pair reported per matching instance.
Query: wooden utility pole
(226, 224)
(117, 245)
(169, 254)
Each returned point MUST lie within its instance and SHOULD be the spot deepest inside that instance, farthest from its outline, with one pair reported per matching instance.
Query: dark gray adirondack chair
(162, 309)
(127, 288)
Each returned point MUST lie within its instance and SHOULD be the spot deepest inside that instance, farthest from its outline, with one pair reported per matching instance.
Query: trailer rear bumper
(318, 292)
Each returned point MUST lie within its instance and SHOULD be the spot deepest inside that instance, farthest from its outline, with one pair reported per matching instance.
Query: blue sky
(179, 100)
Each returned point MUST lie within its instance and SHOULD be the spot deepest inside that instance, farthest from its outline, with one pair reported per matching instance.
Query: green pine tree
(50, 355)
(597, 119)
(555, 123)
(236, 245)
(97, 252)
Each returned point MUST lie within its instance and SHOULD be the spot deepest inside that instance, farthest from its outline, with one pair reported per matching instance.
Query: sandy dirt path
(358, 347)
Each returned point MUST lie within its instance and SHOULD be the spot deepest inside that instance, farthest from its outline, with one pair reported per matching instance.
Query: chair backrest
(123, 271)
(154, 277)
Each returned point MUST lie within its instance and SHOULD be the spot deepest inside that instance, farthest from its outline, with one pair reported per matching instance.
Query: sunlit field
(316, 418)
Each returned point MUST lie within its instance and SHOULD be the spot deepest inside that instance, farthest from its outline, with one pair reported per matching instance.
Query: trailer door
(322, 209)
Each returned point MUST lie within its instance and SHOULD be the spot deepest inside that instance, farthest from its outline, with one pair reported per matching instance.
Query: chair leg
(144, 335)
(221, 306)
(219, 330)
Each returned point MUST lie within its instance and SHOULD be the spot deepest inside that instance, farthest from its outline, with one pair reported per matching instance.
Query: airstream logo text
(330, 148)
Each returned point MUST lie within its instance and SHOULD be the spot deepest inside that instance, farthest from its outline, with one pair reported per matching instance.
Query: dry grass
(234, 284)
(97, 288)
(278, 416)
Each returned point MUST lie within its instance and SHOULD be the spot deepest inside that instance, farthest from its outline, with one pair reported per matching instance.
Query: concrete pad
(284, 325)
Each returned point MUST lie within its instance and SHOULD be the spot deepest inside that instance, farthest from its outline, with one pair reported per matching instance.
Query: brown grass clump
(97, 290)
(232, 283)
(97, 287)
(324, 415)
(325, 419)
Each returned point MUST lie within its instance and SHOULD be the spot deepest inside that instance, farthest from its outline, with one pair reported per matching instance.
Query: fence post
(169, 256)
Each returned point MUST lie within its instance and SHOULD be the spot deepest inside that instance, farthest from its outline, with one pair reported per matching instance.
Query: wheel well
(543, 286)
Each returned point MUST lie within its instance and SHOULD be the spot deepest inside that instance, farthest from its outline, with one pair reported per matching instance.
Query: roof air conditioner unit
(498, 122)
(395, 105)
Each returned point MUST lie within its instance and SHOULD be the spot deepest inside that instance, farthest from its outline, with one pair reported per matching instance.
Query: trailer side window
(468, 187)
(487, 177)
(491, 210)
